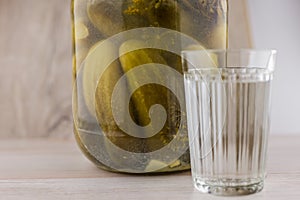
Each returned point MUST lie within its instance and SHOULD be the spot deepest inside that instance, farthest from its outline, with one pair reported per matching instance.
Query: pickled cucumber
(106, 16)
(98, 85)
(149, 94)
(157, 13)
(200, 18)
(97, 20)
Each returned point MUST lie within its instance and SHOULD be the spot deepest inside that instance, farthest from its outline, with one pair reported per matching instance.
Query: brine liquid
(228, 124)
(95, 146)
(101, 30)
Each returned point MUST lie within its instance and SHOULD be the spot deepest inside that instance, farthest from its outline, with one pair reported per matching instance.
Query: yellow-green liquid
(96, 130)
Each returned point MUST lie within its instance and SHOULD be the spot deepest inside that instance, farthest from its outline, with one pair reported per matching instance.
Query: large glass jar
(128, 101)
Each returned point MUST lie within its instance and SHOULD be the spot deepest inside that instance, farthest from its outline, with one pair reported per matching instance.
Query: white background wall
(276, 24)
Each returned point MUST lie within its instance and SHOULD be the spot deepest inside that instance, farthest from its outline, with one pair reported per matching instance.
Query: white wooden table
(50, 169)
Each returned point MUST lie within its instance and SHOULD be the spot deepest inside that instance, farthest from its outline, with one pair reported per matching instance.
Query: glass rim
(229, 59)
(235, 50)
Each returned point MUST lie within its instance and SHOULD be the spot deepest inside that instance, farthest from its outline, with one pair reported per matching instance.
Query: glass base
(228, 187)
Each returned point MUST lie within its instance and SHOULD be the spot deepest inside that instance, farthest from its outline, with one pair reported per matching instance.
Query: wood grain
(239, 30)
(53, 169)
(170, 187)
(35, 60)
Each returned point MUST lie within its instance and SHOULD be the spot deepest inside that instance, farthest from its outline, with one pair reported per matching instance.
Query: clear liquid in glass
(228, 127)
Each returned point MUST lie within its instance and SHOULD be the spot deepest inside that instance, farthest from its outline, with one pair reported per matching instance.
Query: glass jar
(128, 97)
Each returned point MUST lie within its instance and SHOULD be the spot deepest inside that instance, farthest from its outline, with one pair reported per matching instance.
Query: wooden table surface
(51, 169)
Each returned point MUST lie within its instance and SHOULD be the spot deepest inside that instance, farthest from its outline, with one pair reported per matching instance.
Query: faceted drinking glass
(228, 113)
